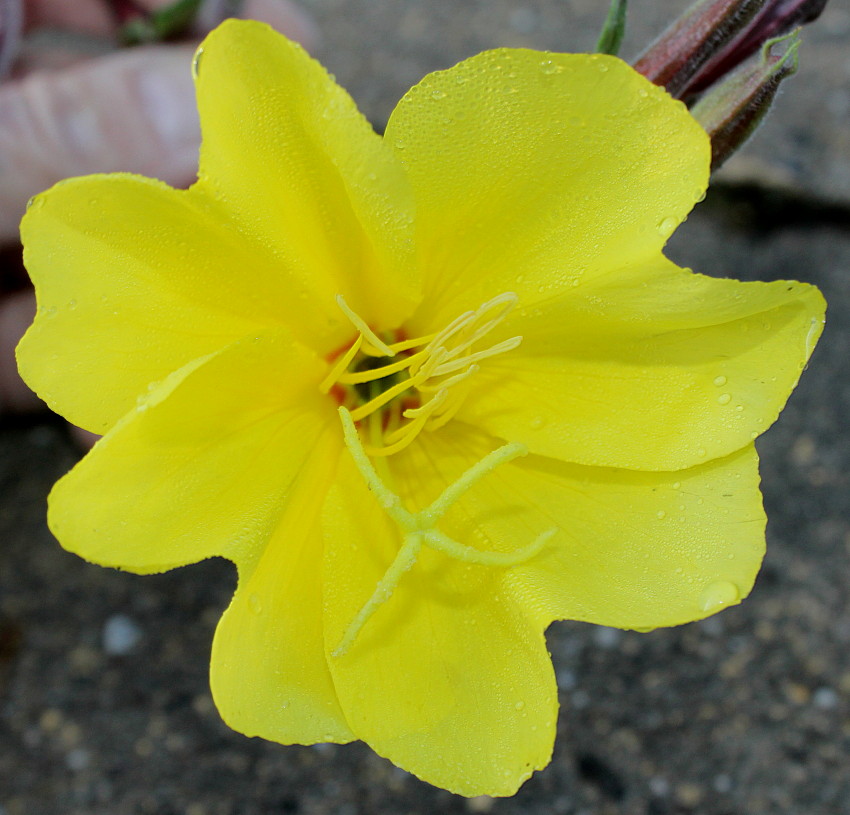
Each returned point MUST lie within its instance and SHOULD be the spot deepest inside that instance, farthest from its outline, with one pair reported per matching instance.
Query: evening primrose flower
(429, 392)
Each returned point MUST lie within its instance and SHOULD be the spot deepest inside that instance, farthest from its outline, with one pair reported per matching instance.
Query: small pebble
(481, 803)
(825, 698)
(607, 638)
(659, 786)
(78, 759)
(120, 635)
(566, 679)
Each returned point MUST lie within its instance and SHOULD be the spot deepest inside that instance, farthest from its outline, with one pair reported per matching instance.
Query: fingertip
(284, 17)
(16, 313)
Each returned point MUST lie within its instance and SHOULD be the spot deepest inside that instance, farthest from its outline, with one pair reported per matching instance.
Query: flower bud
(693, 40)
(776, 18)
(733, 108)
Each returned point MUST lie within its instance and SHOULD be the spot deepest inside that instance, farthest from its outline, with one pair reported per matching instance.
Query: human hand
(73, 104)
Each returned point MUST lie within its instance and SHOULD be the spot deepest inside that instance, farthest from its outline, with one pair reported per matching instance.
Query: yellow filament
(382, 398)
(420, 528)
(360, 324)
(341, 364)
(378, 373)
(442, 363)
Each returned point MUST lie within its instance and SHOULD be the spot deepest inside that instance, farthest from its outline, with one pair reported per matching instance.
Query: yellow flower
(429, 392)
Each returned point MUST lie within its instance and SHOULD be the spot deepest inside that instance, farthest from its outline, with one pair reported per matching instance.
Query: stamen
(360, 324)
(499, 348)
(341, 364)
(357, 377)
(405, 345)
(448, 383)
(420, 527)
(382, 398)
(443, 361)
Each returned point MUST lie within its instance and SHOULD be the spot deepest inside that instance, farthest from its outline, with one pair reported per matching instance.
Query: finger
(285, 17)
(282, 15)
(16, 313)
(131, 111)
(86, 16)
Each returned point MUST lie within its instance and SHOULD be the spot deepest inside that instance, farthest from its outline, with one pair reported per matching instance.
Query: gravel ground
(104, 703)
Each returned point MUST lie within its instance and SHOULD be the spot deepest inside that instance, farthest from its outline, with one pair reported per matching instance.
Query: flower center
(425, 383)
(421, 388)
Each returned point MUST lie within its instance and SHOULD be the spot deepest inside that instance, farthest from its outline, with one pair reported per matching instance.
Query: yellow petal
(201, 467)
(533, 172)
(134, 280)
(633, 549)
(286, 151)
(268, 672)
(447, 679)
(649, 368)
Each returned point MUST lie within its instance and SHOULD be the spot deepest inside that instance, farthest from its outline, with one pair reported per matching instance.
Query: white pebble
(120, 635)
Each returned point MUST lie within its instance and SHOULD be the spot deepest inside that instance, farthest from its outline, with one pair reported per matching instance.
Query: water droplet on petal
(519, 705)
(438, 94)
(724, 399)
(548, 67)
(196, 62)
(255, 604)
(665, 228)
(719, 594)
(660, 514)
(720, 381)
(701, 452)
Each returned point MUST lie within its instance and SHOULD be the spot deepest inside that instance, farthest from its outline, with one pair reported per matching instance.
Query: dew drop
(72, 304)
(666, 227)
(739, 408)
(719, 594)
(438, 94)
(548, 67)
(701, 452)
(677, 484)
(519, 705)
(196, 62)
(537, 422)
(724, 399)
(255, 604)
(660, 514)
(720, 381)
